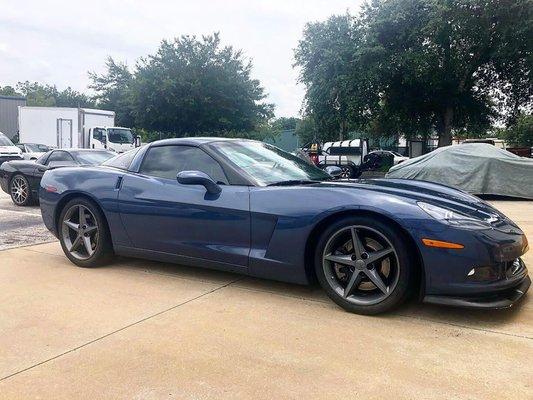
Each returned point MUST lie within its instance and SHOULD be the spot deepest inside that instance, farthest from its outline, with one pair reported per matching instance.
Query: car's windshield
(92, 157)
(117, 135)
(36, 148)
(267, 164)
(4, 141)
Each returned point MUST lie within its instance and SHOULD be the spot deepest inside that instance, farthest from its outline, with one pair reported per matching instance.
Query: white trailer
(63, 127)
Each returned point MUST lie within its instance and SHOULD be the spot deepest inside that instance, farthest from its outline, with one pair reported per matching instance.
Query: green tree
(307, 131)
(41, 95)
(326, 56)
(520, 134)
(8, 91)
(37, 94)
(418, 66)
(72, 98)
(284, 123)
(197, 86)
(113, 91)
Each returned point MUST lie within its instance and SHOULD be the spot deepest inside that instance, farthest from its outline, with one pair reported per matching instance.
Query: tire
(352, 280)
(20, 191)
(77, 234)
(347, 171)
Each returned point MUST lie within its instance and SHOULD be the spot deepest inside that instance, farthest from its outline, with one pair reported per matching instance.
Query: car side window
(167, 161)
(97, 134)
(122, 161)
(59, 156)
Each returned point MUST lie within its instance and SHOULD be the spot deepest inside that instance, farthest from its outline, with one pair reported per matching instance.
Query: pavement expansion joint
(119, 330)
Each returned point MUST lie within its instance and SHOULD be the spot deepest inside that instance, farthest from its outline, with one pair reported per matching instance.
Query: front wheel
(363, 265)
(20, 191)
(83, 234)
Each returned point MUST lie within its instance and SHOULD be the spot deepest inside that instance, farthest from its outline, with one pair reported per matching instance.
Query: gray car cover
(477, 168)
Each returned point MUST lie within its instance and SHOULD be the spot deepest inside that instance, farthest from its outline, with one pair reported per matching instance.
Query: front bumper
(503, 299)
(15, 157)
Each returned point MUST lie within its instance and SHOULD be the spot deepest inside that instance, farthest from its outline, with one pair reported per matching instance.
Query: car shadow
(516, 321)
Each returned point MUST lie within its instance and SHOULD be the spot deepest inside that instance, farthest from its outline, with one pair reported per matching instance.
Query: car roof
(196, 141)
(75, 150)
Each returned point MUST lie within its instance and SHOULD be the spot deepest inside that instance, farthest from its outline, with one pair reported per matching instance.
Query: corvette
(20, 178)
(247, 207)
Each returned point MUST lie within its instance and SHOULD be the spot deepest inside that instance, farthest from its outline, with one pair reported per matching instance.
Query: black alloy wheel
(363, 265)
(84, 234)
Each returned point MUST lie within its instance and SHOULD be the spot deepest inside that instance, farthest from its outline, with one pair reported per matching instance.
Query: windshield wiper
(293, 182)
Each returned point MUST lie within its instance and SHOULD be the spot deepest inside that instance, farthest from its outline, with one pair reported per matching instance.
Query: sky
(58, 42)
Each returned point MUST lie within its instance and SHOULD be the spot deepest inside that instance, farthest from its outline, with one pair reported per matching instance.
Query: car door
(162, 215)
(43, 164)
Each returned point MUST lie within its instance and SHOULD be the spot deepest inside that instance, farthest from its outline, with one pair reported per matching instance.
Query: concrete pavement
(146, 330)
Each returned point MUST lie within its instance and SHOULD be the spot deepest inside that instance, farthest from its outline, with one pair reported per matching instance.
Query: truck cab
(117, 139)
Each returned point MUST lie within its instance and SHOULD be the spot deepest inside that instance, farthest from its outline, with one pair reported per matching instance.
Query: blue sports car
(247, 207)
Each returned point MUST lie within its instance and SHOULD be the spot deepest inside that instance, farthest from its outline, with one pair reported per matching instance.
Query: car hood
(440, 195)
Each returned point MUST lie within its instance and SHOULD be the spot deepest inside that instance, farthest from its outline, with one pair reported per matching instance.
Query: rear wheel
(20, 191)
(363, 265)
(83, 234)
(347, 171)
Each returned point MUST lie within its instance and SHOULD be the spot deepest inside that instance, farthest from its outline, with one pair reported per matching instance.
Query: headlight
(451, 217)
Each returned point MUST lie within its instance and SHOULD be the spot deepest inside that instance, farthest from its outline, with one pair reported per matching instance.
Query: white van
(8, 151)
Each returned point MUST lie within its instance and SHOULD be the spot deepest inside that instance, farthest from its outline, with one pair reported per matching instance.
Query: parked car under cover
(248, 207)
(20, 179)
(476, 168)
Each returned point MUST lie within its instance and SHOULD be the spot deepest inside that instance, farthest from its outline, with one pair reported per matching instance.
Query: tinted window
(122, 161)
(4, 141)
(92, 157)
(59, 156)
(97, 134)
(167, 161)
(268, 164)
(43, 159)
(344, 151)
(35, 148)
(120, 135)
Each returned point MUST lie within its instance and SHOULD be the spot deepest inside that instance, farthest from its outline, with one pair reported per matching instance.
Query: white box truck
(63, 127)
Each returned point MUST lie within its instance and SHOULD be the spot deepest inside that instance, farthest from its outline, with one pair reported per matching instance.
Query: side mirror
(137, 141)
(334, 171)
(198, 178)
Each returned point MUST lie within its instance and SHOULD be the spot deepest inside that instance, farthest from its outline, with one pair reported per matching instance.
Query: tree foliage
(520, 134)
(113, 91)
(190, 86)
(413, 67)
(41, 95)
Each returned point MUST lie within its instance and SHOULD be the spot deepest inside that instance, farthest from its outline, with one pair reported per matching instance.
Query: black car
(21, 178)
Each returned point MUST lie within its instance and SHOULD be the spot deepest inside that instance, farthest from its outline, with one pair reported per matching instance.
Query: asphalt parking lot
(20, 226)
(146, 330)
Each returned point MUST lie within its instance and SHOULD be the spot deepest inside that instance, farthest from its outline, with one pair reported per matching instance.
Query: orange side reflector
(441, 244)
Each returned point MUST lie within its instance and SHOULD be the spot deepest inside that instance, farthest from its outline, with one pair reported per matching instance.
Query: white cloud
(57, 42)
